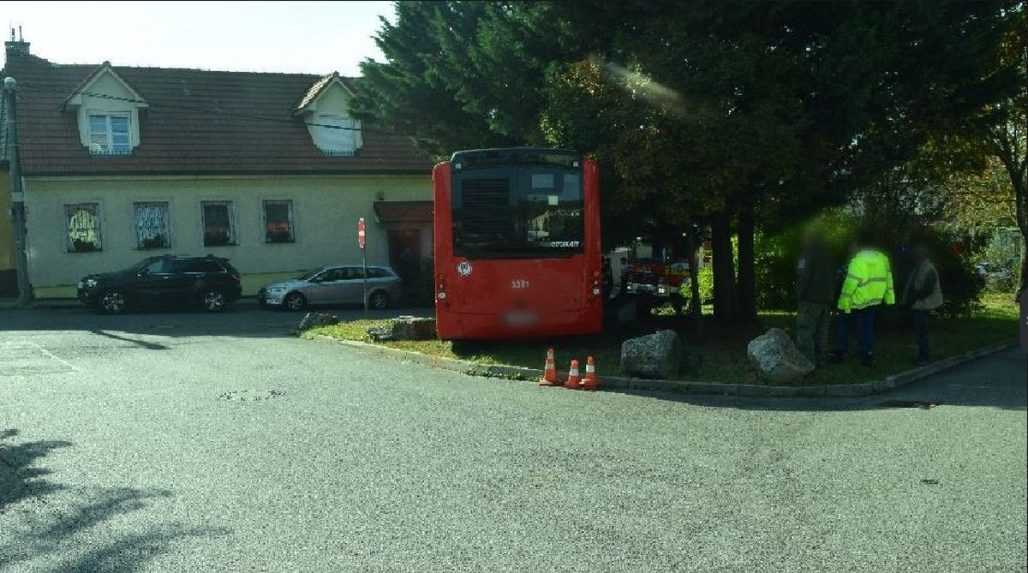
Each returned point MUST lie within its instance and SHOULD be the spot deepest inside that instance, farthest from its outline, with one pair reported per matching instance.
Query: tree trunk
(1020, 185)
(696, 303)
(724, 267)
(747, 273)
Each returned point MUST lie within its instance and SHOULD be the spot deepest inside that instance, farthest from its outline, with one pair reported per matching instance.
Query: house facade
(268, 170)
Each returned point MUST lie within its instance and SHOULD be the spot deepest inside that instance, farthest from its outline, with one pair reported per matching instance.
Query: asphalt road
(188, 442)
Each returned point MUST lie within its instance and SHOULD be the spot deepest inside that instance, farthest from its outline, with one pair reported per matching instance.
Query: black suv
(163, 281)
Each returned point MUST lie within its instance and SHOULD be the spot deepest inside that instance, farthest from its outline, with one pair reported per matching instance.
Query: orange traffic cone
(549, 371)
(590, 382)
(574, 380)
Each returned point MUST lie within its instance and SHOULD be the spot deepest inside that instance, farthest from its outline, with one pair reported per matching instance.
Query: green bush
(706, 277)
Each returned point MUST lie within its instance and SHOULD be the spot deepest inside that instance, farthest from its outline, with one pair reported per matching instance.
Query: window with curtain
(109, 134)
(218, 223)
(152, 229)
(83, 226)
(337, 134)
(278, 221)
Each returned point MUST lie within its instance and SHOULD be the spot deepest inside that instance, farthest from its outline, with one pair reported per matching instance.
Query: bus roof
(516, 155)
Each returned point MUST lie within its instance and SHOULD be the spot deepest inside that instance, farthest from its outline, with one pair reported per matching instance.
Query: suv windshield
(522, 211)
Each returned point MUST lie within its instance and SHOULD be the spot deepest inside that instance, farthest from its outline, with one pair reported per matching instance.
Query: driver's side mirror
(143, 272)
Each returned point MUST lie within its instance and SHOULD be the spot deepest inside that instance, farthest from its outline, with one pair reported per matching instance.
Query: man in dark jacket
(815, 290)
(922, 294)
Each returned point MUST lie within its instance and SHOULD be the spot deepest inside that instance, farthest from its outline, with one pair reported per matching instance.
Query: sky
(307, 37)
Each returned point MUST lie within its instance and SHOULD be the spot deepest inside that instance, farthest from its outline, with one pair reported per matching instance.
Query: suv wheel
(379, 300)
(213, 300)
(294, 301)
(113, 302)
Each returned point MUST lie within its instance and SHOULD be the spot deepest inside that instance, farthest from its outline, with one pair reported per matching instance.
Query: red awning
(403, 211)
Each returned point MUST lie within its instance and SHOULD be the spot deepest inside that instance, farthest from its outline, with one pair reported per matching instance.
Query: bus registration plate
(520, 318)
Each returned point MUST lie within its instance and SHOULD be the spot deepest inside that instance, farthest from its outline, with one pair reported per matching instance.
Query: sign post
(361, 242)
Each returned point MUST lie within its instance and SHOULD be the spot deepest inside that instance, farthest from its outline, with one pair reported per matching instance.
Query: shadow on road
(999, 381)
(38, 522)
(19, 478)
(245, 321)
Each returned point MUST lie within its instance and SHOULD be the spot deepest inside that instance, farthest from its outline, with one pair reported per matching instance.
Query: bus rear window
(516, 212)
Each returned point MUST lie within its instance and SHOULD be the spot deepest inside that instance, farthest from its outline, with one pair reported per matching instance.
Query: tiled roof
(404, 211)
(197, 122)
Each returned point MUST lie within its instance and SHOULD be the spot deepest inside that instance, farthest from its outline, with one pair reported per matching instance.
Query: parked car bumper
(269, 299)
(88, 297)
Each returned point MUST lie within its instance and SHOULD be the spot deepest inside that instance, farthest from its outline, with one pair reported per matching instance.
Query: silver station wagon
(334, 284)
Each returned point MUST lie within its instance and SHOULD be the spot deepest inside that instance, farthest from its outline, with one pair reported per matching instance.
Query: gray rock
(412, 328)
(312, 319)
(777, 359)
(656, 355)
(380, 333)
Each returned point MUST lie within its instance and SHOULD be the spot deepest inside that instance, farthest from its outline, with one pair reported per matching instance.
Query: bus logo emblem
(464, 269)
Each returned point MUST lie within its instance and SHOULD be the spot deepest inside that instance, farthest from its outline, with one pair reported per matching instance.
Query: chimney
(17, 47)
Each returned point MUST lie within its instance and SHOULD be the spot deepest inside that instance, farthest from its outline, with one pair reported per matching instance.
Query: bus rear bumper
(504, 326)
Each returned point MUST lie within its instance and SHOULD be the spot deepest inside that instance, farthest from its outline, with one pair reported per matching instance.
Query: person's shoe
(867, 361)
(837, 358)
(923, 361)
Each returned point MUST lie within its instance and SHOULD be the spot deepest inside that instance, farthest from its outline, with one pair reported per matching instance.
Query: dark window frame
(289, 236)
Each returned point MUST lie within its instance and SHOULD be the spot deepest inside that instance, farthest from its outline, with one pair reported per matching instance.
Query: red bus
(517, 244)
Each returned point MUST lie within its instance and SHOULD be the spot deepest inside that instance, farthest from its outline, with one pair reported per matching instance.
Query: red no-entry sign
(360, 232)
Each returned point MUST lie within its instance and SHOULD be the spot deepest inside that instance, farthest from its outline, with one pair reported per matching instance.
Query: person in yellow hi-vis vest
(867, 286)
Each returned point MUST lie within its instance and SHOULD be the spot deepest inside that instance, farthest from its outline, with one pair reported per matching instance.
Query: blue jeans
(865, 321)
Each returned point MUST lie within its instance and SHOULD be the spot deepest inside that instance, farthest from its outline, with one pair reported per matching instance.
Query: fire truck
(654, 276)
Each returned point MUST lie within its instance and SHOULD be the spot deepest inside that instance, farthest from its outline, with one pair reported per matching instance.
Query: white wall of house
(325, 213)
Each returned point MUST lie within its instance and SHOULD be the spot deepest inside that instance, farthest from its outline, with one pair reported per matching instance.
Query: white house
(269, 170)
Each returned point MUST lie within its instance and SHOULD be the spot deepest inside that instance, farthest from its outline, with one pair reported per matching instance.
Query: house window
(152, 229)
(337, 134)
(278, 221)
(109, 134)
(83, 224)
(219, 227)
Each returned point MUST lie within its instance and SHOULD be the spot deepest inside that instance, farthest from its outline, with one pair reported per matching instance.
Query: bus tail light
(440, 293)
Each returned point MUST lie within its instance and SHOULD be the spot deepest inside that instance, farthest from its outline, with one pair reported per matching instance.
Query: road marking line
(44, 351)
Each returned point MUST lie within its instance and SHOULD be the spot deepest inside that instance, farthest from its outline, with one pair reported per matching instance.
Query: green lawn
(717, 353)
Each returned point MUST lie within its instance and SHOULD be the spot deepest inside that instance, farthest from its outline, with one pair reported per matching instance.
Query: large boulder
(312, 319)
(657, 355)
(405, 328)
(777, 359)
(413, 328)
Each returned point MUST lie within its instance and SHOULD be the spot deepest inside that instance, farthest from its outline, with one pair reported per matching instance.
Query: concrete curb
(628, 384)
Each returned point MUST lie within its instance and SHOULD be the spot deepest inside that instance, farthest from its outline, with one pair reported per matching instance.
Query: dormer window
(108, 111)
(336, 134)
(324, 108)
(109, 133)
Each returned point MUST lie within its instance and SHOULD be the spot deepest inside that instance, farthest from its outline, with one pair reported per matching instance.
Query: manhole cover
(251, 395)
(923, 404)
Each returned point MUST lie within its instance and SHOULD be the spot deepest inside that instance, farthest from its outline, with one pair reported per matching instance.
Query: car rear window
(378, 273)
